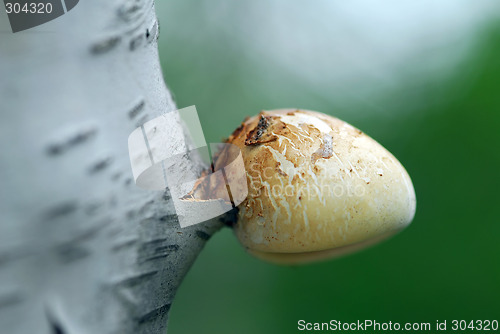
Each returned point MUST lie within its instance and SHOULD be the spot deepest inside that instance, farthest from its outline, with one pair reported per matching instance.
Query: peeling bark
(82, 249)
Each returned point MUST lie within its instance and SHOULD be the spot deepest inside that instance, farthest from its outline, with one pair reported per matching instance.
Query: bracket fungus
(317, 188)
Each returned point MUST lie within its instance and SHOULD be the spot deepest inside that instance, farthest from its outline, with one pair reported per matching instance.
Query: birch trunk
(82, 249)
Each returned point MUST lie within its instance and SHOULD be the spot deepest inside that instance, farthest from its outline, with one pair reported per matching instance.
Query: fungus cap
(317, 187)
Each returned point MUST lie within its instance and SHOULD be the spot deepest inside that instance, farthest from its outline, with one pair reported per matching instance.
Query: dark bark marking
(116, 176)
(54, 324)
(131, 214)
(168, 218)
(88, 234)
(136, 110)
(154, 241)
(14, 255)
(92, 208)
(136, 42)
(105, 46)
(10, 299)
(56, 328)
(155, 249)
(135, 280)
(129, 11)
(80, 137)
(123, 244)
(203, 235)
(145, 207)
(128, 181)
(154, 313)
(156, 257)
(68, 253)
(170, 248)
(61, 209)
(100, 165)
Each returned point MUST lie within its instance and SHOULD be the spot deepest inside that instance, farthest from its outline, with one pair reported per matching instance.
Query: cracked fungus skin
(317, 187)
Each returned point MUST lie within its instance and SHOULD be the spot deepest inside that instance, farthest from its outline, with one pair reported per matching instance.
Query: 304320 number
(480, 325)
(28, 8)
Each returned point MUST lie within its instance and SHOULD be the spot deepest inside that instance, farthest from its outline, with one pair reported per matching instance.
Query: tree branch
(82, 249)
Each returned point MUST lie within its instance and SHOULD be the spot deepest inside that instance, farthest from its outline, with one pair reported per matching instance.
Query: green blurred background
(423, 79)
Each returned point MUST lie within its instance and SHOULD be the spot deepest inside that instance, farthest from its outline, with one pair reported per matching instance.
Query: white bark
(82, 249)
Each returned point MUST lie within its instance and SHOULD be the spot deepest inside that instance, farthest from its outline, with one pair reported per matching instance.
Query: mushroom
(317, 188)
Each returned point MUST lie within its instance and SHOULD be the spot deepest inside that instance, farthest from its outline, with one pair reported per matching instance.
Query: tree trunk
(82, 249)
